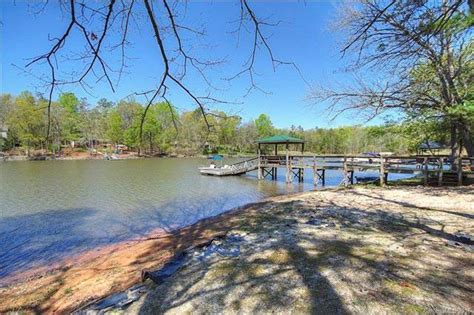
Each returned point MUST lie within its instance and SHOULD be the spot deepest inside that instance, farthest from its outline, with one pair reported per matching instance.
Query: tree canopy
(422, 54)
(92, 127)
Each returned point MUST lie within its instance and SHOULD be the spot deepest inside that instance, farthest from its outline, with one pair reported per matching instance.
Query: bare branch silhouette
(177, 58)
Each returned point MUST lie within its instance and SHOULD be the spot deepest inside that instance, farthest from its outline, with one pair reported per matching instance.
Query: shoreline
(166, 244)
(155, 234)
(130, 156)
(115, 268)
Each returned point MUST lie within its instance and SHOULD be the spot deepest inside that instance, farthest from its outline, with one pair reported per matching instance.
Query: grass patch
(413, 309)
(237, 269)
(401, 288)
(279, 257)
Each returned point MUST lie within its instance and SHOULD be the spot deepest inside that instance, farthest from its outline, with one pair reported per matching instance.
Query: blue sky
(303, 37)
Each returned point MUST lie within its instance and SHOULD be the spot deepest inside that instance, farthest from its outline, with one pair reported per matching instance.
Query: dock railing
(247, 164)
(437, 167)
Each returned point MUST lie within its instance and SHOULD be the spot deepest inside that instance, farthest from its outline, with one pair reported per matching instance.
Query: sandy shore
(362, 250)
(97, 273)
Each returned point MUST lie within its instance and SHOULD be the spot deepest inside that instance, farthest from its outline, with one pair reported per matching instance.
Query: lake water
(52, 209)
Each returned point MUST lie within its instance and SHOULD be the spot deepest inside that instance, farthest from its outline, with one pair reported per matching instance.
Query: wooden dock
(436, 170)
(231, 170)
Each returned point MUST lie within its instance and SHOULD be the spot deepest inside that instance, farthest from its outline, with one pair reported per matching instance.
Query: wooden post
(440, 172)
(259, 170)
(425, 170)
(324, 177)
(460, 170)
(382, 171)
(288, 170)
(315, 172)
(351, 172)
(344, 169)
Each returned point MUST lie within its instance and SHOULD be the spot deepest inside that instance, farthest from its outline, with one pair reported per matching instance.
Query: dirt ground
(67, 155)
(359, 250)
(364, 251)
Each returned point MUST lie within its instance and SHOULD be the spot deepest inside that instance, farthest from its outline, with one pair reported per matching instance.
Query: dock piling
(267, 166)
(425, 171)
(382, 172)
(344, 170)
(315, 172)
(440, 172)
(459, 171)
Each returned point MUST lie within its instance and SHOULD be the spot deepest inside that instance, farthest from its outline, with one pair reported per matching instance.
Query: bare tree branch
(114, 17)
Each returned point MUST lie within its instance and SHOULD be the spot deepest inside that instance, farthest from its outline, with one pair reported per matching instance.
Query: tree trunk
(468, 140)
(454, 145)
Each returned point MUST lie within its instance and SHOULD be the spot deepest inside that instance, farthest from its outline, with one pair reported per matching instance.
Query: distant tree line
(75, 123)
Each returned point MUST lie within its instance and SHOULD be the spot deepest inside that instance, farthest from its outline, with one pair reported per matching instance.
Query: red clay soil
(106, 270)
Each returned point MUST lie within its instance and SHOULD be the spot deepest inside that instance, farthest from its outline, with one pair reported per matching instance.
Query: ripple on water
(53, 209)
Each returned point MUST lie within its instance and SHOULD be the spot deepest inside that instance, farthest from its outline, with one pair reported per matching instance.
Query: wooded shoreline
(89, 156)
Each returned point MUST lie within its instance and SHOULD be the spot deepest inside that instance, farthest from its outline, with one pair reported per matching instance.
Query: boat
(220, 170)
(111, 157)
(215, 157)
(213, 167)
(238, 168)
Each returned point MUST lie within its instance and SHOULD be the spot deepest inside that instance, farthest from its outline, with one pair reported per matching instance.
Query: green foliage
(69, 117)
(458, 22)
(114, 127)
(26, 121)
(464, 110)
(264, 126)
(69, 101)
(356, 139)
(72, 120)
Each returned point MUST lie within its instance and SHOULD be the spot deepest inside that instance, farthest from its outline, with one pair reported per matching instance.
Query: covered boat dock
(435, 170)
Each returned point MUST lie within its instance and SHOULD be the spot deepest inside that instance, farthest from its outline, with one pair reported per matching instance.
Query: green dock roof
(279, 139)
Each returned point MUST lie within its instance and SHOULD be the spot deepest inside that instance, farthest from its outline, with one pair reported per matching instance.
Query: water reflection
(52, 209)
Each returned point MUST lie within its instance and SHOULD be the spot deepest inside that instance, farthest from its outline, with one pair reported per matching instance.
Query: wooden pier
(435, 170)
(238, 168)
